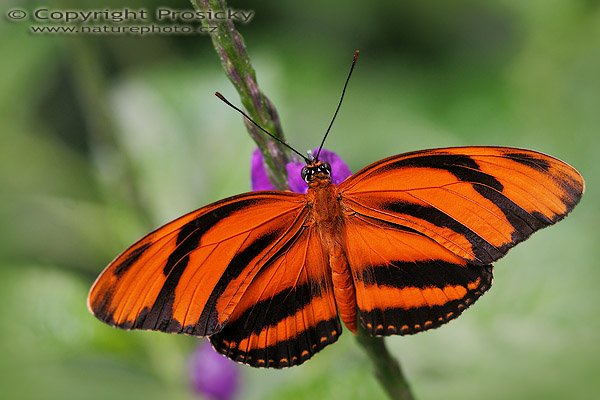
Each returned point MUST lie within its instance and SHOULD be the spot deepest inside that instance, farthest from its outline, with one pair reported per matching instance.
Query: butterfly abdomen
(343, 287)
(329, 217)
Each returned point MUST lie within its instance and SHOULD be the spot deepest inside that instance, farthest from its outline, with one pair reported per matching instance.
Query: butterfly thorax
(324, 201)
(319, 181)
(322, 197)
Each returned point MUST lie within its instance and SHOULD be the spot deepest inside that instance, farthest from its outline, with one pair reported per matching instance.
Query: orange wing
(288, 313)
(477, 202)
(405, 282)
(424, 227)
(189, 275)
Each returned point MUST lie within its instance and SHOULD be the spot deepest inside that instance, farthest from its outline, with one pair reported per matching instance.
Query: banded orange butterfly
(402, 246)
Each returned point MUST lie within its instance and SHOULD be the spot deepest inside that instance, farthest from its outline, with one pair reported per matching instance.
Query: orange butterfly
(402, 246)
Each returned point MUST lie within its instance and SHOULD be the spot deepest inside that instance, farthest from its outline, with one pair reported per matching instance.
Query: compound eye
(327, 168)
(305, 173)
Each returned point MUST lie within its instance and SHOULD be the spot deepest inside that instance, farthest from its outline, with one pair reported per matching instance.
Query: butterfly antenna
(220, 96)
(339, 104)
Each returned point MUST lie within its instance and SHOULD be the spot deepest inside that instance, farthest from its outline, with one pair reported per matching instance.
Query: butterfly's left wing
(188, 276)
(288, 312)
(245, 271)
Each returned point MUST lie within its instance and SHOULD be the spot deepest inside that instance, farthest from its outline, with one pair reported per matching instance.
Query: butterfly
(402, 246)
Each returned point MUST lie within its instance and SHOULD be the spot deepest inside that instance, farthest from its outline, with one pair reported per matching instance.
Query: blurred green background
(103, 138)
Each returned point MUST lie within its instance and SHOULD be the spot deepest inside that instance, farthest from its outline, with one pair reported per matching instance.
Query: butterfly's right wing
(477, 202)
(424, 227)
(406, 282)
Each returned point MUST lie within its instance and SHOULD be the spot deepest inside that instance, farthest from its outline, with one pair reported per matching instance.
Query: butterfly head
(316, 171)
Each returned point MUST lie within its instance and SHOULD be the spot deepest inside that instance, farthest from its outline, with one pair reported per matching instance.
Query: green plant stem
(231, 49)
(387, 369)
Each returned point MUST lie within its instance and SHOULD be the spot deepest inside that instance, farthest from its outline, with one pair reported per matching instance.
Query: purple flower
(212, 375)
(260, 179)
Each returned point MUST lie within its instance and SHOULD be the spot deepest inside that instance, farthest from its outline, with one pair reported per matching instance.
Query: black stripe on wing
(401, 320)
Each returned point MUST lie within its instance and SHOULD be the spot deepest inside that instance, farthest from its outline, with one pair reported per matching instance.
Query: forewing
(188, 276)
(406, 282)
(288, 312)
(477, 202)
